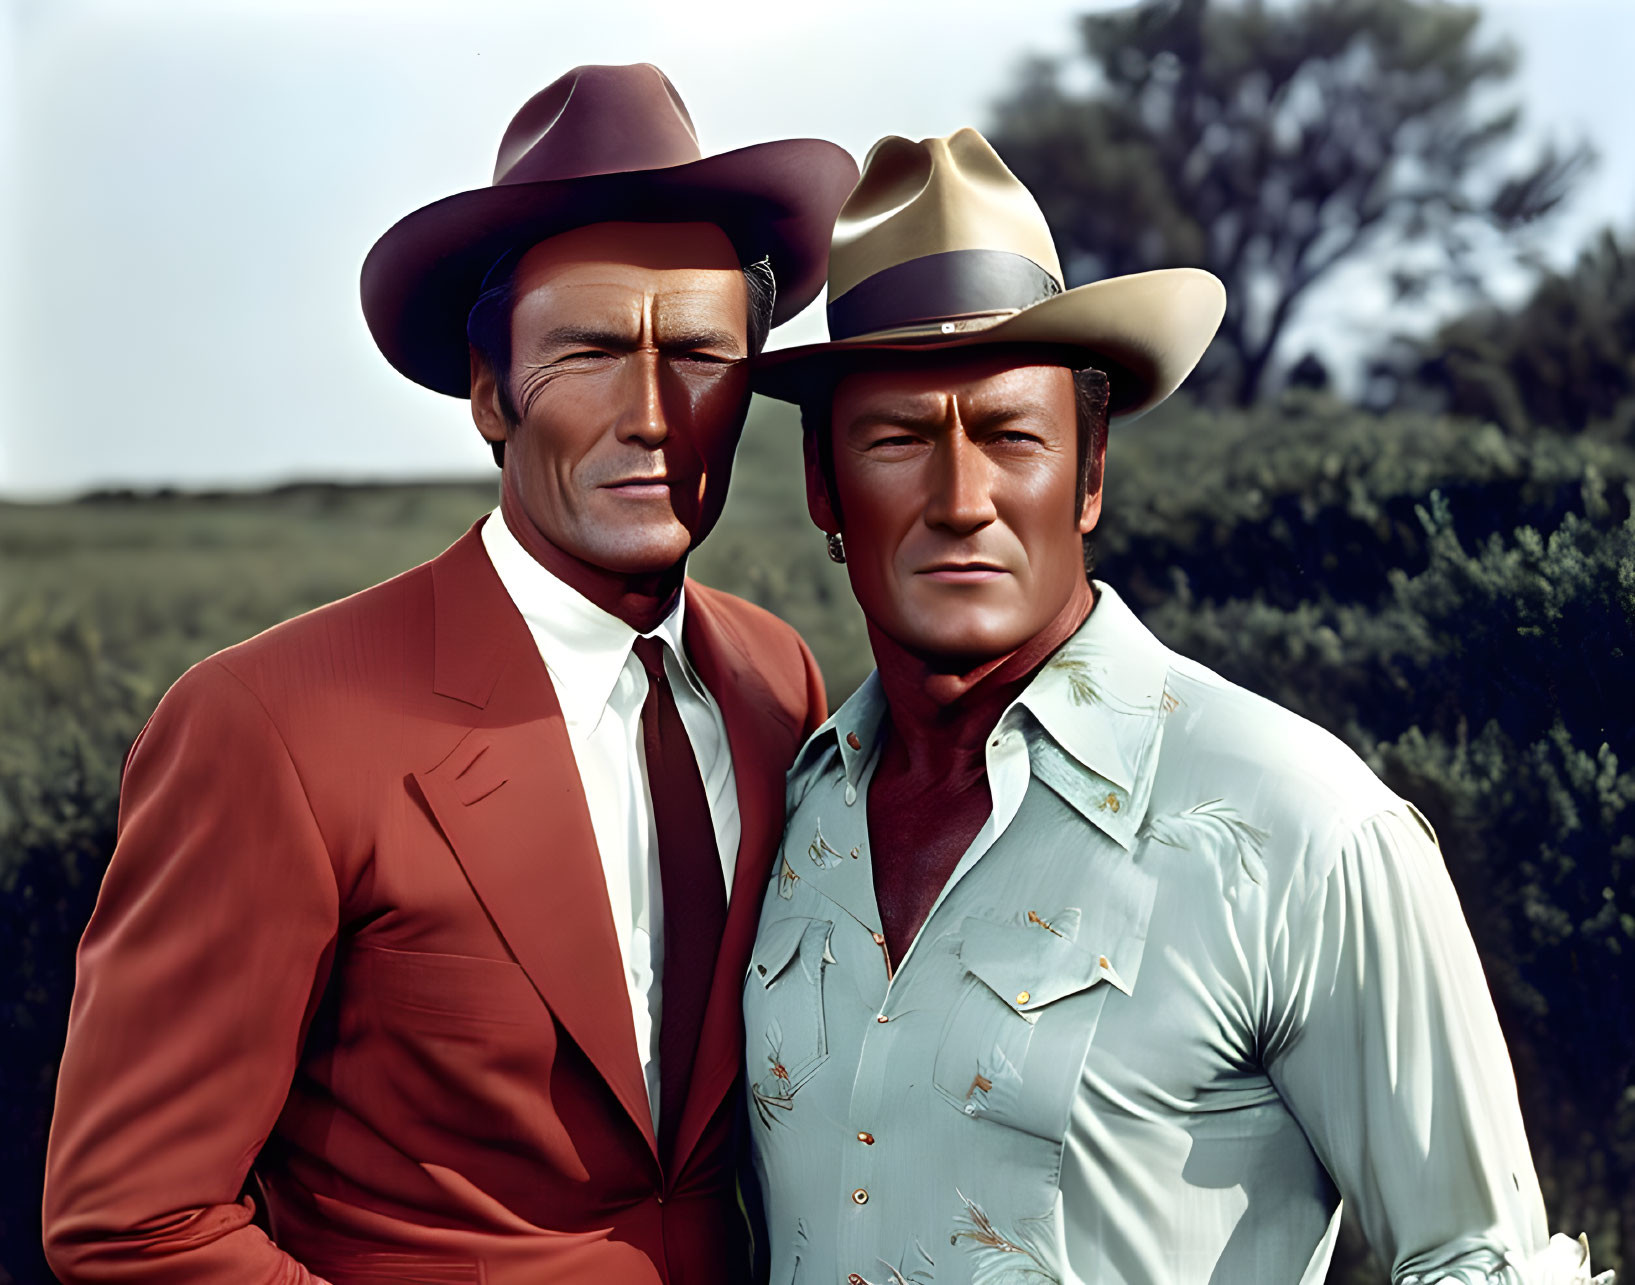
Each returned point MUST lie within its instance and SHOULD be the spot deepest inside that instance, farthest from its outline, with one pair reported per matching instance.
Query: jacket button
(1023, 997)
(851, 739)
(882, 1018)
(860, 1197)
(867, 1139)
(855, 1279)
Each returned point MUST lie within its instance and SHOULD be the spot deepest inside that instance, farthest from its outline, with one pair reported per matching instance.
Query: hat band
(955, 283)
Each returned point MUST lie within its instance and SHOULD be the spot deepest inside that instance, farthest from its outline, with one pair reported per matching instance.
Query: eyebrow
(703, 337)
(906, 415)
(590, 336)
(570, 336)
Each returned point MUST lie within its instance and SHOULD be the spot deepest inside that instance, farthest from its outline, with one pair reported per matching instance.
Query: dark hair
(1090, 391)
(488, 325)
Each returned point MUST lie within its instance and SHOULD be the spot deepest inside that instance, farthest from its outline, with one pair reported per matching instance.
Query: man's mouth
(640, 488)
(972, 572)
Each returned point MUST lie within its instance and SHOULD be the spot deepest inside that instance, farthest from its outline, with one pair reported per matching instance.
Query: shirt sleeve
(197, 977)
(1383, 1041)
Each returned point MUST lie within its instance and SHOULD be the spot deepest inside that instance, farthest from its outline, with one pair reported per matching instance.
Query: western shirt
(600, 685)
(1199, 976)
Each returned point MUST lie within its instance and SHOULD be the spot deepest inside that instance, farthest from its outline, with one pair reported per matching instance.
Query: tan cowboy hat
(598, 144)
(939, 246)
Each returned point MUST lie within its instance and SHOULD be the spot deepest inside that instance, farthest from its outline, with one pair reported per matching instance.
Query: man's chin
(663, 551)
(958, 639)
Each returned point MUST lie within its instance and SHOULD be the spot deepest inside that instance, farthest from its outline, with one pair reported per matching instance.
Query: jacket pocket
(786, 1038)
(1016, 1035)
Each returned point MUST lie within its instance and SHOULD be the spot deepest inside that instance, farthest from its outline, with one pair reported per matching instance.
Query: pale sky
(188, 188)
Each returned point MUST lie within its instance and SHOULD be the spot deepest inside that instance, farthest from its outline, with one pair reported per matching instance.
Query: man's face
(628, 375)
(957, 485)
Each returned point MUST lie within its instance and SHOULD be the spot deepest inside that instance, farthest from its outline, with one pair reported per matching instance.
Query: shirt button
(855, 1279)
(1022, 997)
(851, 739)
(867, 1139)
(1103, 962)
(851, 794)
(882, 1018)
(860, 1197)
(879, 938)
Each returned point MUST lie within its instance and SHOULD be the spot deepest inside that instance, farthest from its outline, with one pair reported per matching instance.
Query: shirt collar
(1092, 717)
(584, 647)
(1100, 701)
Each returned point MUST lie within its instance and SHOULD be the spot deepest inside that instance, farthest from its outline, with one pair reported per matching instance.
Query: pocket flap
(1029, 967)
(780, 941)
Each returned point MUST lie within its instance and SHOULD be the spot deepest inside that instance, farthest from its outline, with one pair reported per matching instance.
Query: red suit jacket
(355, 934)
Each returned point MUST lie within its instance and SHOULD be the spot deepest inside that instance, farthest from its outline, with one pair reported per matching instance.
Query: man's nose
(959, 501)
(642, 417)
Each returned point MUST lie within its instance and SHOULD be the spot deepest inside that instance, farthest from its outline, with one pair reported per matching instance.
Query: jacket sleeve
(1385, 1045)
(198, 974)
(817, 700)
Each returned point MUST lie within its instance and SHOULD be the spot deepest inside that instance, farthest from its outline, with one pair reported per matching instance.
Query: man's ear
(818, 501)
(1090, 510)
(485, 399)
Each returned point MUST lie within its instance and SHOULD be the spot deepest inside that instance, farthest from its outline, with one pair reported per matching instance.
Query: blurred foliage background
(1438, 565)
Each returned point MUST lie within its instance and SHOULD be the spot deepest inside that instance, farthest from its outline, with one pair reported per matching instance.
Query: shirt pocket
(1021, 1022)
(787, 1038)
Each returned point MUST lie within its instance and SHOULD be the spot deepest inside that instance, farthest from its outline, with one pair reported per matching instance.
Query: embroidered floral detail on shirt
(1077, 670)
(775, 1092)
(913, 1268)
(1034, 917)
(1170, 702)
(823, 856)
(787, 878)
(1015, 1259)
(1214, 825)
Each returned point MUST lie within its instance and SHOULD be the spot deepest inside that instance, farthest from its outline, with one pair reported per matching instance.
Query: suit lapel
(509, 800)
(759, 734)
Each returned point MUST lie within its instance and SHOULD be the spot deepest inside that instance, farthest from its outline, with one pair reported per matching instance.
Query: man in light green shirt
(1080, 963)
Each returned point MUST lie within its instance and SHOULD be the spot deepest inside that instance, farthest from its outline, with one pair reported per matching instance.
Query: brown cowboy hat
(598, 144)
(940, 246)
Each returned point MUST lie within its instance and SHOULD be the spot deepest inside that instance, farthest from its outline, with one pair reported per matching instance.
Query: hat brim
(1146, 330)
(419, 281)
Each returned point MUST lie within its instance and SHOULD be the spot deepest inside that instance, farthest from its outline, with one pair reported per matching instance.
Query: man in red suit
(429, 908)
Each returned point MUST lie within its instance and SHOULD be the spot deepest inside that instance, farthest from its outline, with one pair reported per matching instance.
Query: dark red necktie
(690, 883)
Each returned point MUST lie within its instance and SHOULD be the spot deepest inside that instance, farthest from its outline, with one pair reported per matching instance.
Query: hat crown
(936, 196)
(598, 120)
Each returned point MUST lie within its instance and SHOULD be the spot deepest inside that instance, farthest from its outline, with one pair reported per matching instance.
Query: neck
(943, 708)
(641, 601)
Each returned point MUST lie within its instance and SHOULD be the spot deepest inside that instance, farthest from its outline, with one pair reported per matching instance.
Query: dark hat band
(955, 283)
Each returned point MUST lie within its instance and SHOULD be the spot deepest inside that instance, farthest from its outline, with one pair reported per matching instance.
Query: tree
(1273, 144)
(1564, 359)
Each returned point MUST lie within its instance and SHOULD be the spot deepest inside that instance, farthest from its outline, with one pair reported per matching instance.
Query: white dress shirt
(601, 686)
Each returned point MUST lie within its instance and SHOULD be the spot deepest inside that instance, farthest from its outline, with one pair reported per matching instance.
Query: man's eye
(893, 440)
(708, 358)
(583, 354)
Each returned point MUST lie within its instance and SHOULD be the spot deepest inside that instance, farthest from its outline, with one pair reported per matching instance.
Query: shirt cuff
(1564, 1261)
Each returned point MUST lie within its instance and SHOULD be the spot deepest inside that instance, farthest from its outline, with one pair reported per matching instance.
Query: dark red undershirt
(929, 795)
